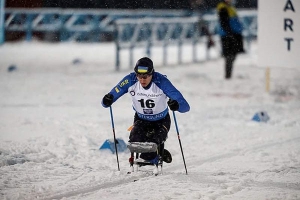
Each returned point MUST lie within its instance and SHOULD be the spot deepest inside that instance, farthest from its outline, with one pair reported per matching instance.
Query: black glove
(108, 99)
(173, 105)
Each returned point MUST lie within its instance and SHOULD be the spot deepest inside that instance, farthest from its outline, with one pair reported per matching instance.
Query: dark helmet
(144, 66)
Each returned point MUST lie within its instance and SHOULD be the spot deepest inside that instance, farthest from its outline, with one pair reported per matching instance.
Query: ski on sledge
(138, 149)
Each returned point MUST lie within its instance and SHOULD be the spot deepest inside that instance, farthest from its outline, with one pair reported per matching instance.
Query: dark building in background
(24, 3)
(246, 4)
(118, 4)
(127, 4)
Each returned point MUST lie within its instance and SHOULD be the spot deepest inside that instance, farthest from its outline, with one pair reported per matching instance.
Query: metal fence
(150, 32)
(128, 28)
(86, 25)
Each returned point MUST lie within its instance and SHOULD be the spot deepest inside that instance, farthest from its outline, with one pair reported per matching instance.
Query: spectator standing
(230, 33)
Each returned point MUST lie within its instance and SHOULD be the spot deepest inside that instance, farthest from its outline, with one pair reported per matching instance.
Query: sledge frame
(136, 148)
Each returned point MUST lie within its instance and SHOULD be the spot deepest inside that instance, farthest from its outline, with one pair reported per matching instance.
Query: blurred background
(93, 20)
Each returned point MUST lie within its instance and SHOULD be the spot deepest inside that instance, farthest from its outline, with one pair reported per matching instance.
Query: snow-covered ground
(52, 125)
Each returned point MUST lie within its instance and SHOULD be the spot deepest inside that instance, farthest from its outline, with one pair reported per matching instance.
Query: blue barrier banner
(110, 145)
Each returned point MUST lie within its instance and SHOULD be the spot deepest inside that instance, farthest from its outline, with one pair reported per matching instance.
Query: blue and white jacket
(150, 103)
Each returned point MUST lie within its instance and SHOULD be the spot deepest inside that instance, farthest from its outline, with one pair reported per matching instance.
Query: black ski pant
(229, 59)
(150, 131)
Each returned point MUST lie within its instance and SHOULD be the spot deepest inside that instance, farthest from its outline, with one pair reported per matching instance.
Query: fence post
(29, 30)
(118, 49)
(165, 53)
(179, 52)
(131, 56)
(2, 26)
(195, 41)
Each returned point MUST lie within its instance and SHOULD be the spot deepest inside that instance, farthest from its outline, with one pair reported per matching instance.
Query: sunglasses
(143, 76)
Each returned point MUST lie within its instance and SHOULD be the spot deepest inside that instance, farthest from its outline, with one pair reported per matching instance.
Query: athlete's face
(144, 79)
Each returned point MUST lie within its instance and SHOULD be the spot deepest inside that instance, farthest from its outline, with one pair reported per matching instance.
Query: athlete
(151, 94)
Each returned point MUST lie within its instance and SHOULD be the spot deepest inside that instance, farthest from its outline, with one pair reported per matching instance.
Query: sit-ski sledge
(137, 148)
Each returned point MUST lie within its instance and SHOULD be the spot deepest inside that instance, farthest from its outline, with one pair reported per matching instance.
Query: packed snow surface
(52, 125)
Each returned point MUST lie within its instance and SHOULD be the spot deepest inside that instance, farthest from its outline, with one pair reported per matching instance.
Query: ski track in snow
(172, 171)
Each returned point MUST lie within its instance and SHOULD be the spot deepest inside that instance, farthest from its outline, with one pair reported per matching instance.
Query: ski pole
(115, 141)
(179, 141)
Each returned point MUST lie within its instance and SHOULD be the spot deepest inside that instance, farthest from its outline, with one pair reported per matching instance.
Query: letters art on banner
(279, 33)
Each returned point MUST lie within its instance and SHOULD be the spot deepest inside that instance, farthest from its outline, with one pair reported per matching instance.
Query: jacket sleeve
(174, 94)
(121, 88)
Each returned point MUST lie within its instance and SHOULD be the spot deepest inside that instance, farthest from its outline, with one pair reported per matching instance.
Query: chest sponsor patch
(148, 111)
